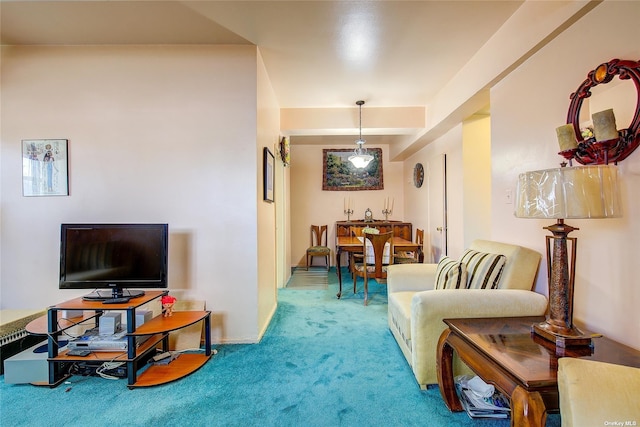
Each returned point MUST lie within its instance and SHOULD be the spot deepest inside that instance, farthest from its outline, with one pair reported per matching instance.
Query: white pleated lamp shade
(569, 192)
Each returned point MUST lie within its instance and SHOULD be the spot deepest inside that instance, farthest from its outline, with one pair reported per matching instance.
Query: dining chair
(373, 265)
(318, 245)
(410, 257)
(354, 257)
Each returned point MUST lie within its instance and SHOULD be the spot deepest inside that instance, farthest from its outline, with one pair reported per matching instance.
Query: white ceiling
(318, 54)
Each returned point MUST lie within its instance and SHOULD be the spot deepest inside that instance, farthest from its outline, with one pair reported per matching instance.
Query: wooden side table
(521, 365)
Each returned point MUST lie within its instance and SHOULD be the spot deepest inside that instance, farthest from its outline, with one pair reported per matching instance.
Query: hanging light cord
(360, 104)
(360, 158)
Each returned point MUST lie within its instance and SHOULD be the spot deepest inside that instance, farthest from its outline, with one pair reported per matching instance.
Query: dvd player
(93, 341)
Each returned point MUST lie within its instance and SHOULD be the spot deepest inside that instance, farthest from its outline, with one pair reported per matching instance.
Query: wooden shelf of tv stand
(161, 374)
(39, 326)
(186, 363)
(112, 356)
(81, 304)
(178, 320)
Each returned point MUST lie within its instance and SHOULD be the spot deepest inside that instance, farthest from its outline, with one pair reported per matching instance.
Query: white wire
(107, 366)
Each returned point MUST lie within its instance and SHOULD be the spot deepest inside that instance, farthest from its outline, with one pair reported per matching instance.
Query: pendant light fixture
(360, 158)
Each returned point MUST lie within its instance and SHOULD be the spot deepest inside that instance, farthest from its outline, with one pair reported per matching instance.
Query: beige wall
(311, 205)
(607, 286)
(156, 134)
(268, 133)
(476, 160)
(527, 105)
(423, 205)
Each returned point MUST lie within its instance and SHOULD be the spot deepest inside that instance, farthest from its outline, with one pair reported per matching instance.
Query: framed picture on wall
(45, 167)
(339, 174)
(268, 166)
(285, 150)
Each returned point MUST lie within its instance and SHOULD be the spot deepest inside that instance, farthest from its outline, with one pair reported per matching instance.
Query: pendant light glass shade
(360, 158)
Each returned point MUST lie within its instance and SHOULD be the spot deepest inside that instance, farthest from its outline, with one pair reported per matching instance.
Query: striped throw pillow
(451, 274)
(483, 269)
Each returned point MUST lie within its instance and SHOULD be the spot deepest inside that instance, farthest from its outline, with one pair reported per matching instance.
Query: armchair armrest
(468, 303)
(429, 308)
(411, 277)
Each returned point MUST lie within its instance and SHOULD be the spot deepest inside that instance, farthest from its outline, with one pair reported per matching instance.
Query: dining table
(353, 244)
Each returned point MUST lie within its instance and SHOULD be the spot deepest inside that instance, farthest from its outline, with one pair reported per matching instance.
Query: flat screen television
(115, 260)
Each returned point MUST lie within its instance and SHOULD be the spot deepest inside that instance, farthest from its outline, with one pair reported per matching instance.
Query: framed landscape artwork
(45, 167)
(340, 175)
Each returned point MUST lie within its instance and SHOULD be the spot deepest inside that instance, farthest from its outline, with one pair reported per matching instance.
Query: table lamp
(565, 193)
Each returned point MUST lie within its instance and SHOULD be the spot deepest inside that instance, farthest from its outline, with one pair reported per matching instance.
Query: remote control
(81, 353)
(121, 300)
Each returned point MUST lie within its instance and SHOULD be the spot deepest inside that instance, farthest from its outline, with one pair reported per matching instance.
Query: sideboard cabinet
(399, 228)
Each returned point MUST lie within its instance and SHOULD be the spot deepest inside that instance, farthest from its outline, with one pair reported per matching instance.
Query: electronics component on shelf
(143, 316)
(110, 323)
(92, 340)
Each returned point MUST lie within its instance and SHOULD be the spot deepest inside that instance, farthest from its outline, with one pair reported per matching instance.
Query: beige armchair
(416, 309)
(597, 393)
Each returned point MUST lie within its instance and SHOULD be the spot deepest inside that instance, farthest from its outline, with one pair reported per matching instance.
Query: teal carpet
(322, 362)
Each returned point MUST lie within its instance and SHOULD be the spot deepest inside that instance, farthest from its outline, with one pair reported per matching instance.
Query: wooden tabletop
(353, 241)
(530, 358)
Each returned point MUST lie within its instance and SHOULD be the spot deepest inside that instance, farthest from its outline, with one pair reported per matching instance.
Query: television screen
(118, 257)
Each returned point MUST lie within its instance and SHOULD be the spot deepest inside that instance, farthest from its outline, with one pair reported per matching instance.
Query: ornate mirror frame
(590, 151)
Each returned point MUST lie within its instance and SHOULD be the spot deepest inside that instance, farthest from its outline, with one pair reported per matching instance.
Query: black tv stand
(112, 294)
(156, 331)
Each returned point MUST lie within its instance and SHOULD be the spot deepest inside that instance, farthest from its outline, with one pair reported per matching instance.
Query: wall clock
(418, 175)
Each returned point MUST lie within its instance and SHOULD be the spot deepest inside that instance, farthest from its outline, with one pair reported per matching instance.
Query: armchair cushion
(451, 274)
(319, 250)
(597, 393)
(483, 269)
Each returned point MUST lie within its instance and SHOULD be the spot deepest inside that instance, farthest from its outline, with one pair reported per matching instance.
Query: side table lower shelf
(184, 365)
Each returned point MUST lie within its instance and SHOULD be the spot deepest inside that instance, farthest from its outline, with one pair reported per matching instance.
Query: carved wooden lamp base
(558, 326)
(562, 337)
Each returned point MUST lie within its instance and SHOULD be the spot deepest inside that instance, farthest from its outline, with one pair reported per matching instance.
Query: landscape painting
(339, 174)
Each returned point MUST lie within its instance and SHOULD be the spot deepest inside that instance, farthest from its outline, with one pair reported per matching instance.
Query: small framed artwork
(268, 165)
(45, 167)
(338, 174)
(285, 150)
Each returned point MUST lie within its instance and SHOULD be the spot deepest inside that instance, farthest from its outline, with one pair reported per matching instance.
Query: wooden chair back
(318, 235)
(356, 230)
(378, 242)
(377, 270)
(420, 241)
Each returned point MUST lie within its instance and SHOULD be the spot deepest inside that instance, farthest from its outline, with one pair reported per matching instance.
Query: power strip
(165, 358)
(158, 357)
